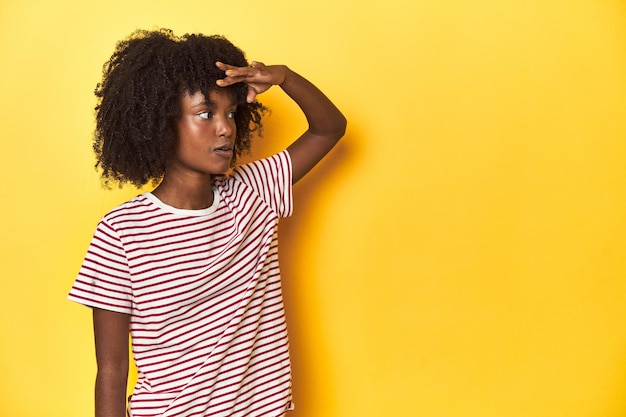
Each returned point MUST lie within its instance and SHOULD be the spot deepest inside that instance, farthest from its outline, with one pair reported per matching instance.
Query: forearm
(111, 393)
(326, 123)
(323, 117)
(112, 357)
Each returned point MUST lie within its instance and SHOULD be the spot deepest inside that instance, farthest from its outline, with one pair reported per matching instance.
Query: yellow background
(461, 253)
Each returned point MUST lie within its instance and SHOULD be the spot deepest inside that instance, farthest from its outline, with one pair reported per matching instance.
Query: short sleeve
(271, 179)
(104, 278)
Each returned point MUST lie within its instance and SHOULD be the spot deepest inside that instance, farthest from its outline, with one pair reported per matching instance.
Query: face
(206, 134)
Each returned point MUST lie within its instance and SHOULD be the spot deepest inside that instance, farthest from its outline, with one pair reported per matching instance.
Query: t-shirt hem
(91, 304)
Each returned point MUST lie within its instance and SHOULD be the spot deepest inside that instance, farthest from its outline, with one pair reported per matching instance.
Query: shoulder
(268, 180)
(275, 166)
(135, 209)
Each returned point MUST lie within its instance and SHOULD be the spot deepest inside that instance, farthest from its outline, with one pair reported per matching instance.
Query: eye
(232, 114)
(205, 115)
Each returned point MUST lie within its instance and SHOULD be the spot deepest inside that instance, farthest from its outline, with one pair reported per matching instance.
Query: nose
(225, 126)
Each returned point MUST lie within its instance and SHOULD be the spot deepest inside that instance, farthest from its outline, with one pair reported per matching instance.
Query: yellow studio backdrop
(461, 253)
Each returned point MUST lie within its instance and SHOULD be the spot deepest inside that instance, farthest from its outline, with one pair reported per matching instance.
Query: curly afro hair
(139, 101)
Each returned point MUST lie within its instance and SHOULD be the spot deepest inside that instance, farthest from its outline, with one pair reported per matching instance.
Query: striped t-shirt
(203, 291)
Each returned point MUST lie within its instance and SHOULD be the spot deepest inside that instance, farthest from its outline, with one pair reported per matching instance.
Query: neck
(194, 194)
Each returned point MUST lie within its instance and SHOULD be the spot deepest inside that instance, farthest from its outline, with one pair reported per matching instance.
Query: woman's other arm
(111, 337)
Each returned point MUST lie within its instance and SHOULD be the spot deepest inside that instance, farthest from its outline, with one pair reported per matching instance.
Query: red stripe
(208, 325)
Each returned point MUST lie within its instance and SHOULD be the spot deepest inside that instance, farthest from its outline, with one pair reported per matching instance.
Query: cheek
(184, 140)
(186, 129)
(190, 134)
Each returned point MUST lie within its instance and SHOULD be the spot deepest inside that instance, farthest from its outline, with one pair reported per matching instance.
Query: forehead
(216, 97)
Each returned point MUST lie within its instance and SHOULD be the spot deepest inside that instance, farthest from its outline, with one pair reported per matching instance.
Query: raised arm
(326, 123)
(111, 335)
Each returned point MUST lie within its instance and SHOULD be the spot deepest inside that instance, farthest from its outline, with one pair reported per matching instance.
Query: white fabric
(203, 290)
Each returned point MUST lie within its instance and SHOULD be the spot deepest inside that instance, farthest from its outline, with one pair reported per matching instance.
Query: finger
(241, 74)
(257, 65)
(252, 93)
(238, 74)
(235, 75)
(224, 67)
(232, 76)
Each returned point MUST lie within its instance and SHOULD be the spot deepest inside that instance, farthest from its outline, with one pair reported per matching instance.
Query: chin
(221, 172)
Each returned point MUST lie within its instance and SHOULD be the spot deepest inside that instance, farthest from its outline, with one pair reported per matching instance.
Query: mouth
(225, 151)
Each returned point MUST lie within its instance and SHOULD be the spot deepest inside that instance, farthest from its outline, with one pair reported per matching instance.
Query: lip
(225, 151)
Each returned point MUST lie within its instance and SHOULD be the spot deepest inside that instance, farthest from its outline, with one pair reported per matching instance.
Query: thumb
(251, 94)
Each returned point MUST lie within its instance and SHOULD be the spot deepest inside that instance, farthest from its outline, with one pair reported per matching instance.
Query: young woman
(191, 268)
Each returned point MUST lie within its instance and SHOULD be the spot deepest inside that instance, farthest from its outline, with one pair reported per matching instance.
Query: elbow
(340, 127)
(332, 129)
(344, 126)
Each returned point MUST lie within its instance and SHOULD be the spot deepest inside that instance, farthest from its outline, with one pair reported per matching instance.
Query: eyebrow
(209, 103)
(202, 103)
